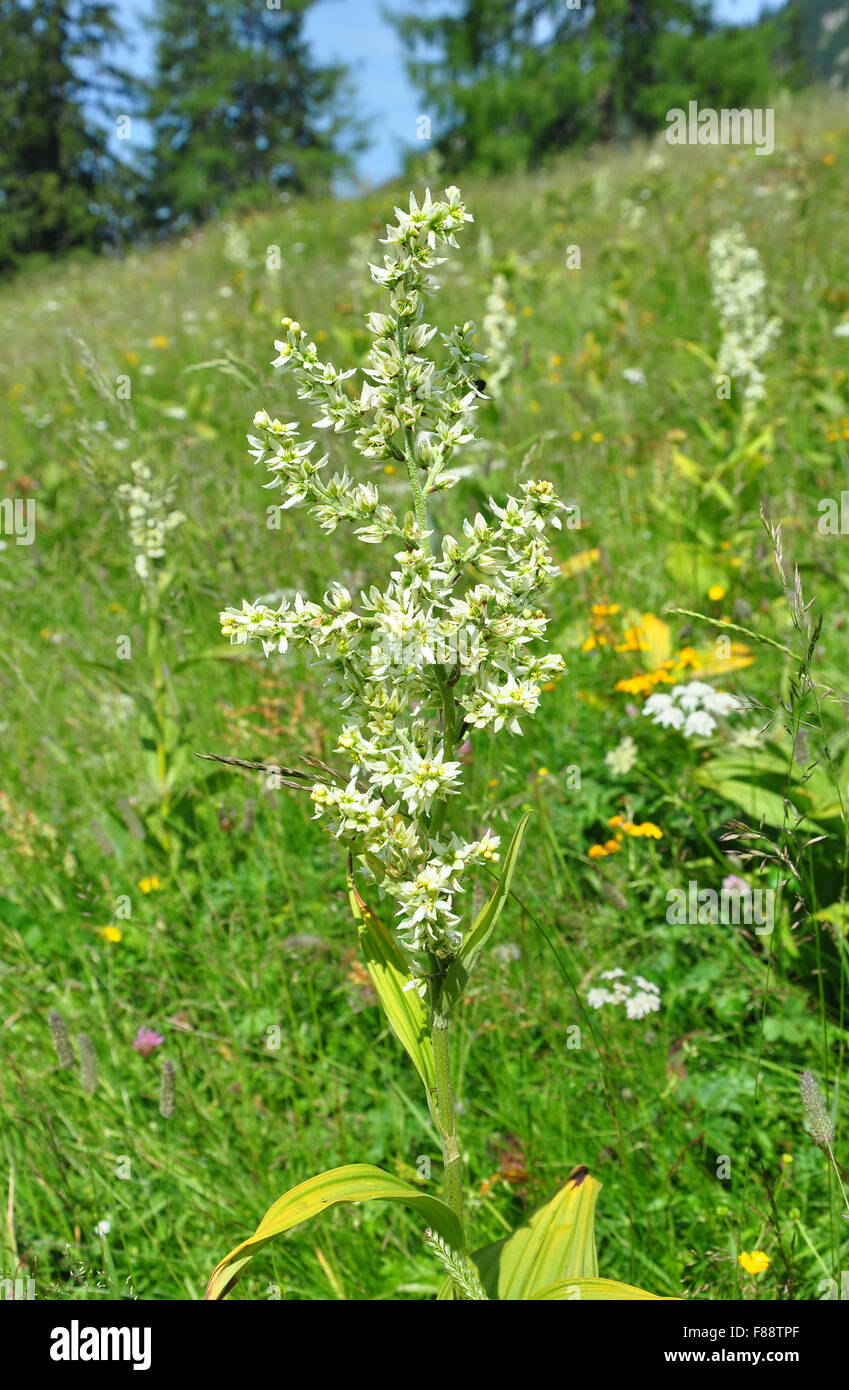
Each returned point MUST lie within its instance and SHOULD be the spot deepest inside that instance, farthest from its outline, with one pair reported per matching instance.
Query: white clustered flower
(621, 759)
(420, 663)
(639, 998)
(692, 708)
(507, 953)
(738, 285)
(634, 376)
(150, 519)
(237, 247)
(499, 330)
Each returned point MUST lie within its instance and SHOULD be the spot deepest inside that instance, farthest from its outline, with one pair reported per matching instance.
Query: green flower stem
(419, 504)
(160, 703)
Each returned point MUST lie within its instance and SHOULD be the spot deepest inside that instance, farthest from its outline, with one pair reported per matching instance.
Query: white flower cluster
(499, 330)
(692, 708)
(621, 759)
(640, 997)
(151, 520)
(435, 654)
(237, 247)
(738, 285)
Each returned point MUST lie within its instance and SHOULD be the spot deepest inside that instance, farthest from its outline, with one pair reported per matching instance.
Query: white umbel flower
(638, 996)
(693, 708)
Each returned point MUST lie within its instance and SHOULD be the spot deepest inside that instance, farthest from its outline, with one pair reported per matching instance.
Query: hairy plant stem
(446, 1119)
(419, 504)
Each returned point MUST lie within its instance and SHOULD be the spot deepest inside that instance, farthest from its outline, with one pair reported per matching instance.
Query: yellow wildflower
(755, 1263)
(149, 885)
(110, 933)
(159, 340)
(716, 593)
(637, 685)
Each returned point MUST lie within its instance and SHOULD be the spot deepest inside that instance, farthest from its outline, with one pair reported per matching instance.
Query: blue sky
(354, 32)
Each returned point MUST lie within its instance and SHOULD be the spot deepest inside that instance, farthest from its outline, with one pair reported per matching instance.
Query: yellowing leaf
(596, 1291)
(656, 635)
(405, 1010)
(357, 1182)
(557, 1243)
(707, 663)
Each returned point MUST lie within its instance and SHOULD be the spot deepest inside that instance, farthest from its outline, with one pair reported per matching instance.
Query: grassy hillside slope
(140, 887)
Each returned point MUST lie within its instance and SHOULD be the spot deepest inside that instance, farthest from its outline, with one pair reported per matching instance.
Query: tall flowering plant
(450, 645)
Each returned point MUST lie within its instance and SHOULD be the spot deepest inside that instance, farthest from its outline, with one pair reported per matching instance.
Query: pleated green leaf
(357, 1182)
(557, 1243)
(405, 1010)
(596, 1291)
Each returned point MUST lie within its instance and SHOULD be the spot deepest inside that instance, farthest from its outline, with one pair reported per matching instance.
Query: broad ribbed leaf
(478, 935)
(596, 1291)
(393, 983)
(357, 1182)
(557, 1243)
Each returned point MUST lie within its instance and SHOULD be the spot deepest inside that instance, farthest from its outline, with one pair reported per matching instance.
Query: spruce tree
(511, 81)
(237, 105)
(60, 184)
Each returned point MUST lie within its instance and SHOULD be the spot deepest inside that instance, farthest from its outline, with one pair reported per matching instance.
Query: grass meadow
(141, 887)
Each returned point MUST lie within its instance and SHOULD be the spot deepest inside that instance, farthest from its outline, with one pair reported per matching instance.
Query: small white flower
(699, 724)
(657, 702)
(641, 1004)
(103, 1228)
(621, 759)
(841, 330)
(670, 717)
(507, 953)
(638, 1002)
(721, 702)
(634, 376)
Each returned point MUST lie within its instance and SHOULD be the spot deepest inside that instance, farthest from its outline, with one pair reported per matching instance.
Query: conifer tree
(237, 104)
(61, 184)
